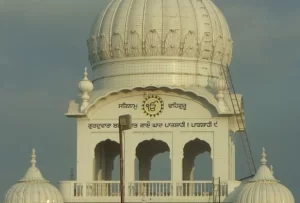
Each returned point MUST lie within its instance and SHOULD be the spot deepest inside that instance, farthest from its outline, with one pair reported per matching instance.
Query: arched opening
(197, 151)
(196, 165)
(105, 155)
(153, 163)
(146, 153)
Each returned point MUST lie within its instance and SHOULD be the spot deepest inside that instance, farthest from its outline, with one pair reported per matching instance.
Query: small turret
(85, 86)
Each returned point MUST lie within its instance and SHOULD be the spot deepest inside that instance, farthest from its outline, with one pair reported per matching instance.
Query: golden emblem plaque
(153, 105)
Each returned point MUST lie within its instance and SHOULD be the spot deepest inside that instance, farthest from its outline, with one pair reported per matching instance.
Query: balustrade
(199, 188)
(141, 188)
(91, 189)
(150, 188)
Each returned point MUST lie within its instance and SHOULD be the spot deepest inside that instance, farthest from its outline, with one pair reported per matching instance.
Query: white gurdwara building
(164, 62)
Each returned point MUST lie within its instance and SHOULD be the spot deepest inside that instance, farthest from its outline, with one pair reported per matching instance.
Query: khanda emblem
(153, 105)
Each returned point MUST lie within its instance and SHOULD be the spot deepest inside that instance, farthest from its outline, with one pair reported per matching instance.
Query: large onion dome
(136, 43)
(264, 188)
(33, 188)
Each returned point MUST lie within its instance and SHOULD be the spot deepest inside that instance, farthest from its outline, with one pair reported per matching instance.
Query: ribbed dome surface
(145, 40)
(132, 28)
(33, 188)
(265, 192)
(264, 188)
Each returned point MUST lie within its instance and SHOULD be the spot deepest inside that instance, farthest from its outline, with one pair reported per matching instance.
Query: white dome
(159, 42)
(33, 188)
(264, 188)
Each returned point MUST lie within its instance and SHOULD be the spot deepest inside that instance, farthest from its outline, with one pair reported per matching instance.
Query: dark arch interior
(151, 148)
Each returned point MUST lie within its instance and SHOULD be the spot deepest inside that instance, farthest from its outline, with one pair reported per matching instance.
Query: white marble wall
(107, 111)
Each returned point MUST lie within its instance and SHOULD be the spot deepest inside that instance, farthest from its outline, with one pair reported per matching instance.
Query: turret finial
(85, 86)
(33, 157)
(272, 169)
(263, 157)
(85, 74)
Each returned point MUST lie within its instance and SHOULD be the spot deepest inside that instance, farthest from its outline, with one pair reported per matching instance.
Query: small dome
(33, 188)
(157, 42)
(264, 188)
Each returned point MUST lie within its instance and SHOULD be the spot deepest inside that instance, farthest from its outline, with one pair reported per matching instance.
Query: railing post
(72, 190)
(126, 189)
(174, 189)
(84, 189)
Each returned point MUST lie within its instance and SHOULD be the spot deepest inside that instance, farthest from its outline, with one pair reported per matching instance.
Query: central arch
(146, 151)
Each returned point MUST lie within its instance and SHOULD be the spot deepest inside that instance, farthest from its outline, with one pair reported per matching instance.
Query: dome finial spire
(263, 157)
(33, 157)
(272, 169)
(85, 74)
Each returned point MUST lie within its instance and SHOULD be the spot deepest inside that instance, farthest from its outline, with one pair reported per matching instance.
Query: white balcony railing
(77, 189)
(150, 188)
(200, 188)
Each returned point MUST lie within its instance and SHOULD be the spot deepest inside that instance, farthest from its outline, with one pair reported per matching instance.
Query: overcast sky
(43, 53)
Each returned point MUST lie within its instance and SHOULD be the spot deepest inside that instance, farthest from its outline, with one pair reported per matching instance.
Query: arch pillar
(99, 164)
(109, 166)
(188, 168)
(188, 171)
(129, 160)
(144, 168)
(176, 157)
(144, 173)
